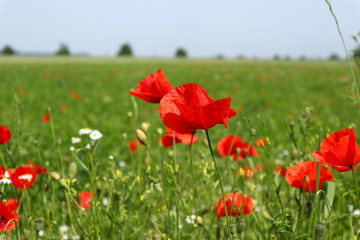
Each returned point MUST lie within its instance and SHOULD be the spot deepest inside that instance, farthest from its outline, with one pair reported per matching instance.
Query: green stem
(356, 184)
(220, 181)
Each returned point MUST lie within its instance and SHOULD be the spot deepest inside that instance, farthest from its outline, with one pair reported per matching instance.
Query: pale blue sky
(253, 28)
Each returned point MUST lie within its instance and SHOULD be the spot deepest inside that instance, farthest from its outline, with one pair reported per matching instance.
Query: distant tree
(276, 57)
(63, 50)
(181, 53)
(7, 50)
(333, 57)
(219, 56)
(356, 53)
(125, 50)
(302, 58)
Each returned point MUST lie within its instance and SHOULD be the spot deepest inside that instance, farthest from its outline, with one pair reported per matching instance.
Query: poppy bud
(38, 225)
(145, 126)
(160, 131)
(72, 170)
(55, 175)
(240, 226)
(64, 184)
(252, 132)
(141, 136)
(320, 229)
(350, 208)
(199, 220)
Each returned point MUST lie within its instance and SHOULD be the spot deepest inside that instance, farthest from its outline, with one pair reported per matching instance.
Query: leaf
(329, 188)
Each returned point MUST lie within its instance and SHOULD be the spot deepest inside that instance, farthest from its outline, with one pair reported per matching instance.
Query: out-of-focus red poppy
(75, 95)
(85, 199)
(234, 146)
(39, 169)
(236, 204)
(303, 175)
(188, 107)
(2, 171)
(133, 145)
(5, 134)
(153, 87)
(168, 140)
(262, 142)
(63, 107)
(46, 118)
(23, 177)
(339, 150)
(259, 166)
(20, 90)
(6, 214)
(12, 204)
(281, 169)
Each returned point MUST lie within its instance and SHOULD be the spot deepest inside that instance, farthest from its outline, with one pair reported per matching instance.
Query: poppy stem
(220, 182)
(356, 184)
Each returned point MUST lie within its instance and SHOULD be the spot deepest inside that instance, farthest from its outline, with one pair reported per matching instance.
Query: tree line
(125, 50)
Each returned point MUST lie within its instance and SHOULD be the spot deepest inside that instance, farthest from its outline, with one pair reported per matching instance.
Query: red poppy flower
(236, 204)
(188, 107)
(168, 140)
(85, 199)
(234, 146)
(6, 214)
(12, 204)
(5, 134)
(23, 177)
(153, 87)
(281, 169)
(39, 169)
(303, 175)
(46, 118)
(133, 145)
(339, 150)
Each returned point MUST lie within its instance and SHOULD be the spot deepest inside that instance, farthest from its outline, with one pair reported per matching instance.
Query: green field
(272, 99)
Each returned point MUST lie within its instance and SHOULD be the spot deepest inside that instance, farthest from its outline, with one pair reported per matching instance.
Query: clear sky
(205, 28)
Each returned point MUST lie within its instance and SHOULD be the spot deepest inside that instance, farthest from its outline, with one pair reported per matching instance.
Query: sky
(204, 28)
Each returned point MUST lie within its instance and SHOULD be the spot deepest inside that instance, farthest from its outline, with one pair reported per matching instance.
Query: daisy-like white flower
(190, 219)
(95, 135)
(72, 148)
(85, 131)
(63, 228)
(75, 140)
(6, 178)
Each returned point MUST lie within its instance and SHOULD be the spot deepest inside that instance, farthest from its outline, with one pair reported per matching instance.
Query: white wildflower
(85, 131)
(64, 228)
(75, 140)
(190, 219)
(72, 148)
(6, 178)
(88, 146)
(111, 157)
(95, 135)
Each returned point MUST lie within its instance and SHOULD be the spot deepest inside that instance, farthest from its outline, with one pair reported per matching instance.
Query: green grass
(315, 97)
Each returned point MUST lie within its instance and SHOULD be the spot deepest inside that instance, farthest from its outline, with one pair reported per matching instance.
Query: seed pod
(320, 229)
(72, 170)
(141, 136)
(38, 225)
(240, 226)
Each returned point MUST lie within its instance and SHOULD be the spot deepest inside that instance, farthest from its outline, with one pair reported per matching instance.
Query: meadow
(153, 192)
